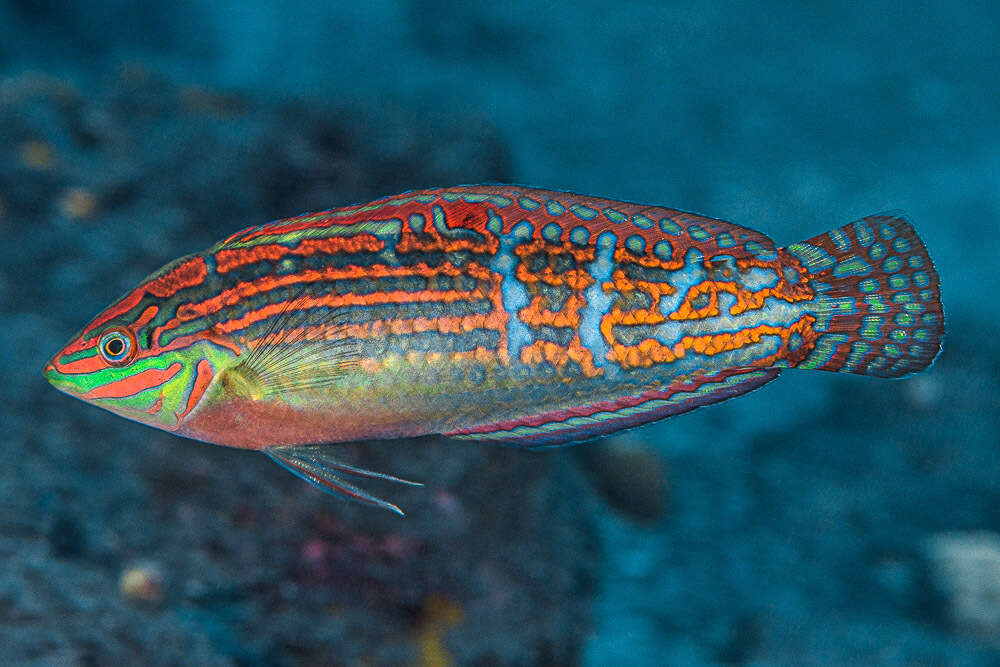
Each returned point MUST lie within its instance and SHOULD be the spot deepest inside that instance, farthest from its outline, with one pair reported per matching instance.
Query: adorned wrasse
(495, 313)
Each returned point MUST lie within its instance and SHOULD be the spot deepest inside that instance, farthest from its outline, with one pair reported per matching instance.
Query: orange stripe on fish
(336, 300)
(246, 289)
(157, 406)
(133, 384)
(145, 318)
(651, 351)
(203, 378)
(227, 260)
(80, 366)
(127, 303)
(188, 274)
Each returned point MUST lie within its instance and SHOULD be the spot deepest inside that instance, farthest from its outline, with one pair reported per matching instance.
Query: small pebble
(37, 155)
(438, 616)
(966, 568)
(78, 203)
(314, 552)
(924, 392)
(448, 503)
(205, 100)
(142, 583)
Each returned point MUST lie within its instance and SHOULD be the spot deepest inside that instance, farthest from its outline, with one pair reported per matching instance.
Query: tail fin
(878, 306)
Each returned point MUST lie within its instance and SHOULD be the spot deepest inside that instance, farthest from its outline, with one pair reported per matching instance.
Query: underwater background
(820, 520)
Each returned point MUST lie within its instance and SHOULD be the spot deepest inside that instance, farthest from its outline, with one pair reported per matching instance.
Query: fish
(492, 313)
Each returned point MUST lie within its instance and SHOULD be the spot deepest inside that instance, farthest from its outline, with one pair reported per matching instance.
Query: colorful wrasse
(495, 313)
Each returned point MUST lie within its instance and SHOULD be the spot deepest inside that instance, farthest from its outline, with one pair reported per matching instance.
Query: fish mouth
(56, 379)
(50, 372)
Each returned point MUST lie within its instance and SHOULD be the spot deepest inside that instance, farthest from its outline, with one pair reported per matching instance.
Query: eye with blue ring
(117, 346)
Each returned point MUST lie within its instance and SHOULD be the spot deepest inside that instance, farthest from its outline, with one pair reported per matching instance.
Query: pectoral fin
(303, 348)
(314, 464)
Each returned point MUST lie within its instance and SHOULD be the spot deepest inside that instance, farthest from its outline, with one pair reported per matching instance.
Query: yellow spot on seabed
(37, 155)
(142, 583)
(439, 615)
(206, 100)
(78, 203)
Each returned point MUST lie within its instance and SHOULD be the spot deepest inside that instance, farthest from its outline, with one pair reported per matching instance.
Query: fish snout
(49, 371)
(55, 377)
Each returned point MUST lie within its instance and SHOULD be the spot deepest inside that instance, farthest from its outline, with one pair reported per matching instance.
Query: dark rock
(629, 474)
(65, 535)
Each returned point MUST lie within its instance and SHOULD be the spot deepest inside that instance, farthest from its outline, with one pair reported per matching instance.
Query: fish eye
(117, 346)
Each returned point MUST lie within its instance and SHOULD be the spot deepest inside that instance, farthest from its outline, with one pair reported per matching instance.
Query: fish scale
(497, 313)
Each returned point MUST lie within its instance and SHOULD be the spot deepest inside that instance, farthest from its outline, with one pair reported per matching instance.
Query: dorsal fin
(468, 210)
(640, 226)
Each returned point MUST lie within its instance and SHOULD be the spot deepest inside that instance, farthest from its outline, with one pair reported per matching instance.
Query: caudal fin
(878, 307)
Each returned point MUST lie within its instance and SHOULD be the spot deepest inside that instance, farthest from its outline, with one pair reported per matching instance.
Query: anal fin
(314, 464)
(584, 422)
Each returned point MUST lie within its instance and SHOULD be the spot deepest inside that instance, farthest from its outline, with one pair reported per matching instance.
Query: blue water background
(791, 118)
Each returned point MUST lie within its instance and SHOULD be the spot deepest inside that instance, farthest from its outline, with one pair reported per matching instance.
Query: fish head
(146, 357)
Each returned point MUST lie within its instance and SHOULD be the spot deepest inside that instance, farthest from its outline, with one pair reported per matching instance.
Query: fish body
(497, 313)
